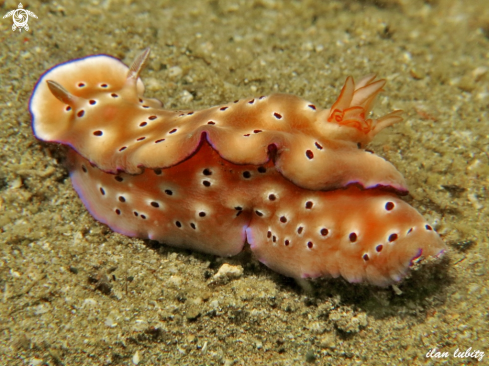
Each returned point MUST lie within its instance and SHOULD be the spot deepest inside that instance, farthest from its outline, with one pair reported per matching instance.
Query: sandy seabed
(75, 293)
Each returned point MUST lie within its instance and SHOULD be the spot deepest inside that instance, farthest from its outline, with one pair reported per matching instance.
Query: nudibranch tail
(364, 236)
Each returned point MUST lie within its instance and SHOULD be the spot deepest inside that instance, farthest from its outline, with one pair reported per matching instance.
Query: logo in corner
(20, 17)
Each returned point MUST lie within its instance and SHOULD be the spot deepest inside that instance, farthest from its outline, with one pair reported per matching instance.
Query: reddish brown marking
(425, 115)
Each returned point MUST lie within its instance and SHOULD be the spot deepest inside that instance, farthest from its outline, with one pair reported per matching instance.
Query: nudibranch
(287, 177)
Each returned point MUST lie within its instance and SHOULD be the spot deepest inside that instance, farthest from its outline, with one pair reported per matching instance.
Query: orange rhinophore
(276, 171)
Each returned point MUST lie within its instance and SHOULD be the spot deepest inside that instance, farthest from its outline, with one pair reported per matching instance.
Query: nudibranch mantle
(286, 176)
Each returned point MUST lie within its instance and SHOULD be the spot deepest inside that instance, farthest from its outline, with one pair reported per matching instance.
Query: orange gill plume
(353, 107)
(275, 171)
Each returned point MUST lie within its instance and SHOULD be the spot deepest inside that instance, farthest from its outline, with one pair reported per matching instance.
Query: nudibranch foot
(211, 205)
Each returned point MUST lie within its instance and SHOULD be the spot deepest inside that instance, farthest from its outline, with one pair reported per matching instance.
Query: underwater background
(72, 292)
